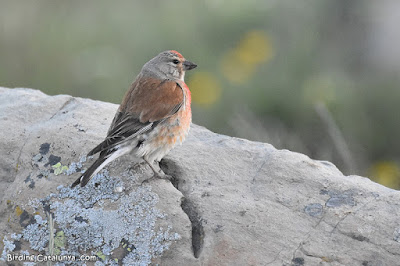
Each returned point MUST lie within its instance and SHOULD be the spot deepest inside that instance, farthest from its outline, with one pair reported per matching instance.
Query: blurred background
(317, 77)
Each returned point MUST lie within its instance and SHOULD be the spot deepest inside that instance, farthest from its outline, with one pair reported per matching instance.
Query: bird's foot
(159, 175)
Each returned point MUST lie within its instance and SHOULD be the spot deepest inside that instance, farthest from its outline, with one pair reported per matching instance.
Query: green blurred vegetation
(263, 66)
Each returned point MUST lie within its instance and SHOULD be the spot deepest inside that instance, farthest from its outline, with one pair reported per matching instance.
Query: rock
(231, 201)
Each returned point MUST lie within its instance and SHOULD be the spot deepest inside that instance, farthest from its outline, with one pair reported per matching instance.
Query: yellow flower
(254, 48)
(205, 88)
(386, 173)
(239, 64)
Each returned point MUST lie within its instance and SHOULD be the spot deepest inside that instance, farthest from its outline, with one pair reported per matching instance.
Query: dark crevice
(170, 168)
(197, 226)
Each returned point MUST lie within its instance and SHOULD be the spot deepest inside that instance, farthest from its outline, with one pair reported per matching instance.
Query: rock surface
(231, 202)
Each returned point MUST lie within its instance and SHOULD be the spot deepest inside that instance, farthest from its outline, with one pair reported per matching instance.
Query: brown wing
(147, 103)
(153, 99)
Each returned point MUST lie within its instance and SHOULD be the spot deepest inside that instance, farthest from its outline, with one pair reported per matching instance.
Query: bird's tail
(99, 164)
(91, 171)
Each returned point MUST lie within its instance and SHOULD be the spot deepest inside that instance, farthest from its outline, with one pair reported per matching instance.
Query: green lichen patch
(59, 168)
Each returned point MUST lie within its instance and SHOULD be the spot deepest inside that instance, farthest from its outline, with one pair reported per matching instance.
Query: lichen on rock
(97, 219)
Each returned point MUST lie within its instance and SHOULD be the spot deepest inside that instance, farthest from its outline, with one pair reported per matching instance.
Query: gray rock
(231, 202)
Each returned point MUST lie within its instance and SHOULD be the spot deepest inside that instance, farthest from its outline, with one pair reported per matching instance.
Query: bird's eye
(176, 61)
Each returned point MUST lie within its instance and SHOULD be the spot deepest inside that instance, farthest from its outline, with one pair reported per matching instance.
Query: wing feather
(148, 102)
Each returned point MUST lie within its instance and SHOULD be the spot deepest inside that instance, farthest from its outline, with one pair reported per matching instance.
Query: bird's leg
(158, 173)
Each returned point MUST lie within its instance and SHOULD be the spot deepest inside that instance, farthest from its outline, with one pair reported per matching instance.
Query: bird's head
(168, 65)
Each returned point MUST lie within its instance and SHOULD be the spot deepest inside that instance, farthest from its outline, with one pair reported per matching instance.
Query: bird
(153, 117)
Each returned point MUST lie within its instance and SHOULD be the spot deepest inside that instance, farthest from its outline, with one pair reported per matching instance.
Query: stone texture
(231, 202)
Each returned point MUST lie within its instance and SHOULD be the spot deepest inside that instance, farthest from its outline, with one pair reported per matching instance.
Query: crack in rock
(197, 226)
(169, 167)
(66, 103)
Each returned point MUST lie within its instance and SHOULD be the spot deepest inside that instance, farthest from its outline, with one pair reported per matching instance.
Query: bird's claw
(158, 176)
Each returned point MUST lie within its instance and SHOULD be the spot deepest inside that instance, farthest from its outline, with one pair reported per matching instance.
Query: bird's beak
(187, 65)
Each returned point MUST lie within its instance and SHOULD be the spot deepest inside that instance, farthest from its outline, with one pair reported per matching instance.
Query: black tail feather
(85, 177)
(96, 149)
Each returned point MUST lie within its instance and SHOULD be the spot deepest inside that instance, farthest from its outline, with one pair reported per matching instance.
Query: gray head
(168, 65)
